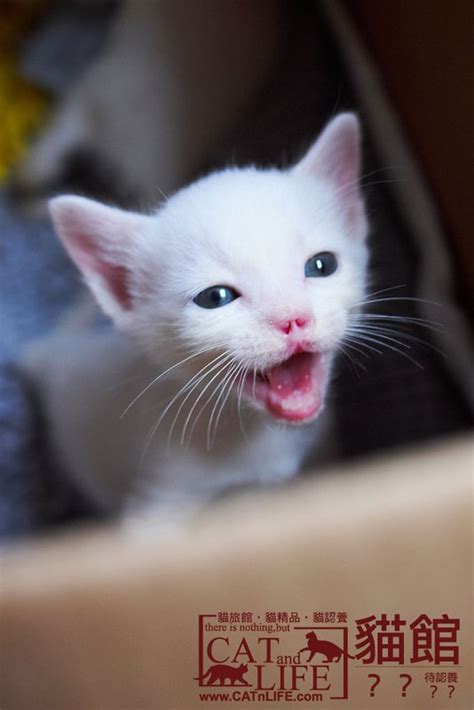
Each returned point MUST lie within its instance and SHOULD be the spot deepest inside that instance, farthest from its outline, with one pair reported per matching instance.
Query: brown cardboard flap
(104, 619)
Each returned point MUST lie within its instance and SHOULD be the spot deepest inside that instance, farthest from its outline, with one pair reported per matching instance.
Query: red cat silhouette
(221, 673)
(332, 652)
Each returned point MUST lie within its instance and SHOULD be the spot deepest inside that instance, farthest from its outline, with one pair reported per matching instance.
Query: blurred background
(82, 109)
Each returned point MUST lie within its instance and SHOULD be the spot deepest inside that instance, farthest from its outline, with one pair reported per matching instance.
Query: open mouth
(292, 390)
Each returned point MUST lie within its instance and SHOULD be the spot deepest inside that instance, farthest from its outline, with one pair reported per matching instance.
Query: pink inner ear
(117, 278)
(335, 155)
(345, 164)
(91, 260)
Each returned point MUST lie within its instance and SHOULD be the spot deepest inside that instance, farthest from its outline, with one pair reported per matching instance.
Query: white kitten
(230, 303)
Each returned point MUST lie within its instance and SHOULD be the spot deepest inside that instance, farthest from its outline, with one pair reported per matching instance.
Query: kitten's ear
(103, 242)
(336, 157)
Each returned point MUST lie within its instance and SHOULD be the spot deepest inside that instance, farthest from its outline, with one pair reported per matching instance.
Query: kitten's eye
(322, 264)
(216, 296)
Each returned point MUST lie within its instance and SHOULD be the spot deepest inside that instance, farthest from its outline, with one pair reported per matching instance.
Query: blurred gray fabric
(65, 42)
(37, 281)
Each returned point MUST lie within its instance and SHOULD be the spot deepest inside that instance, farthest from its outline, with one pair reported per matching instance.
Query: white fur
(246, 228)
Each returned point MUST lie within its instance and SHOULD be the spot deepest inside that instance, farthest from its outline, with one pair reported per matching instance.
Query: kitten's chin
(292, 391)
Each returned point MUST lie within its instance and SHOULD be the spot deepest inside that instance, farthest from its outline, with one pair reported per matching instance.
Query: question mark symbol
(406, 684)
(435, 688)
(451, 691)
(374, 684)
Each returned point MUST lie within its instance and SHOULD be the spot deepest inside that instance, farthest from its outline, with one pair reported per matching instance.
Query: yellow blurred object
(23, 107)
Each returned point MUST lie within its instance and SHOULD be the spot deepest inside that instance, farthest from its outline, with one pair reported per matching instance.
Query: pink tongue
(293, 377)
(293, 390)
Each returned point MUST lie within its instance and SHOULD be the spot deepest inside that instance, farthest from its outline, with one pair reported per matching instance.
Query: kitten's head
(255, 270)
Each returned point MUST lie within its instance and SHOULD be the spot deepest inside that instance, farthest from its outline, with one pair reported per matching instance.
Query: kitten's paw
(155, 525)
(163, 520)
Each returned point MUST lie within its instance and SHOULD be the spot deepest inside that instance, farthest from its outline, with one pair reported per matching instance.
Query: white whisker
(229, 390)
(201, 394)
(353, 362)
(240, 389)
(410, 320)
(363, 337)
(222, 385)
(162, 374)
(380, 334)
(209, 399)
(396, 298)
(383, 330)
(192, 388)
(176, 396)
(361, 352)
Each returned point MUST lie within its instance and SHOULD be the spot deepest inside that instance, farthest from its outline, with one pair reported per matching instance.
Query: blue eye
(322, 264)
(216, 296)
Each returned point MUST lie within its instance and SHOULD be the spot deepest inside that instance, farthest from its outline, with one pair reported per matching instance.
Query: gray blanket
(37, 281)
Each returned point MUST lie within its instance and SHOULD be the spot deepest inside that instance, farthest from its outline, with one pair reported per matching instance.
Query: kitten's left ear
(104, 242)
(335, 158)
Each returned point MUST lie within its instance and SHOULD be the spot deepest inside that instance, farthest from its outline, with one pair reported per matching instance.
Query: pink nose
(287, 326)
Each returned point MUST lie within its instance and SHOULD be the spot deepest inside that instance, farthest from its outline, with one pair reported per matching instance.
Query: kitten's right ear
(103, 242)
(335, 155)
(335, 158)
